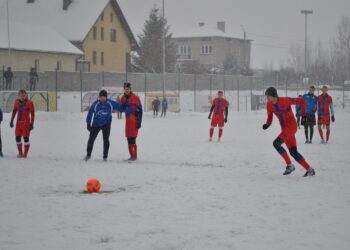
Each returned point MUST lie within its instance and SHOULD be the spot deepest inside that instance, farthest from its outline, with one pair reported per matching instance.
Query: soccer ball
(93, 185)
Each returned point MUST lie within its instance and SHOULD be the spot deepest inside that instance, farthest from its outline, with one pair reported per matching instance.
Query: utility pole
(163, 34)
(8, 32)
(306, 12)
(245, 64)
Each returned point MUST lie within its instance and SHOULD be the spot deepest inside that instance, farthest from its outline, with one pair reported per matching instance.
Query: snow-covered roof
(35, 37)
(204, 31)
(74, 23)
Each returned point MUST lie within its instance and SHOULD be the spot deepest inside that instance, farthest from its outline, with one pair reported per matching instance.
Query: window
(36, 64)
(102, 16)
(94, 32)
(59, 65)
(102, 34)
(207, 49)
(94, 57)
(111, 17)
(184, 50)
(113, 35)
(102, 58)
(210, 49)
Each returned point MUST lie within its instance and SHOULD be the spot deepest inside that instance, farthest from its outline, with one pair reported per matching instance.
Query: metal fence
(66, 90)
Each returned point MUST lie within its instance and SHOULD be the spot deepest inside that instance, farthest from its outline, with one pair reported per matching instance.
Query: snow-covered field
(183, 193)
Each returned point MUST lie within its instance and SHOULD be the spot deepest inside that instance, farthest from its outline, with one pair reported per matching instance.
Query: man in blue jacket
(164, 107)
(311, 108)
(1, 155)
(100, 115)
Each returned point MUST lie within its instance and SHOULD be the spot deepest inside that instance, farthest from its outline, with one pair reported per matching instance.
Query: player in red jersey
(281, 107)
(133, 114)
(325, 113)
(24, 109)
(219, 106)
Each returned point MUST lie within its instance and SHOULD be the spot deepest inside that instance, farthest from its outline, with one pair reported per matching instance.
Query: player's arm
(116, 106)
(299, 101)
(90, 115)
(1, 117)
(211, 111)
(32, 116)
(14, 112)
(332, 109)
(269, 118)
(139, 113)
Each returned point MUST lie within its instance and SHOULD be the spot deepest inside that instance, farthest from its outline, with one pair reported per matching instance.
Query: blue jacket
(311, 103)
(298, 110)
(165, 104)
(0, 115)
(101, 113)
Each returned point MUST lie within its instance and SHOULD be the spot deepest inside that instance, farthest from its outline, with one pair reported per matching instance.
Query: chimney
(221, 26)
(201, 24)
(66, 4)
(30, 1)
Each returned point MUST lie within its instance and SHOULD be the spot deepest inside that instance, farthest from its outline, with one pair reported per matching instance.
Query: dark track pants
(106, 131)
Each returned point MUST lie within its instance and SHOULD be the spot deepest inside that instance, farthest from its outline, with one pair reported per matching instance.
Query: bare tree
(344, 41)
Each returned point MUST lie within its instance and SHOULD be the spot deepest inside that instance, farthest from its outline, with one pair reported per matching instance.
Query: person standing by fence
(33, 79)
(1, 155)
(119, 114)
(164, 107)
(298, 112)
(311, 107)
(8, 77)
(325, 112)
(155, 107)
(218, 108)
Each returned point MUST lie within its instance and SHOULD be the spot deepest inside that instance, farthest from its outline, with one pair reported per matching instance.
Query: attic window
(30, 1)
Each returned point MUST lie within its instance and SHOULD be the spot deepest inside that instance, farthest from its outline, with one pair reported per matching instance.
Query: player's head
(271, 94)
(220, 94)
(312, 89)
(22, 95)
(324, 89)
(127, 88)
(102, 96)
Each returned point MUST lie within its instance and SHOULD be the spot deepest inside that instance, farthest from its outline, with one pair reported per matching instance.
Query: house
(97, 27)
(36, 45)
(211, 47)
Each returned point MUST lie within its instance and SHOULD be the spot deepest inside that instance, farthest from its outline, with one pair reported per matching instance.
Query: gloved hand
(265, 126)
(88, 127)
(225, 120)
(209, 117)
(333, 119)
(138, 126)
(31, 127)
(303, 120)
(11, 124)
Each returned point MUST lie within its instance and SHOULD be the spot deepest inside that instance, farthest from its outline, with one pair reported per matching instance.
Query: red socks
(328, 132)
(220, 132)
(211, 132)
(304, 164)
(26, 149)
(285, 156)
(321, 132)
(20, 150)
(133, 151)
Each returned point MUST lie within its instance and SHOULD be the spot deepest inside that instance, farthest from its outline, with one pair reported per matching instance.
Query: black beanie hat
(103, 93)
(271, 91)
(127, 85)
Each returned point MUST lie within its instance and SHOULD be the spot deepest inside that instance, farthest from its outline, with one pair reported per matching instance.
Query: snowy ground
(184, 193)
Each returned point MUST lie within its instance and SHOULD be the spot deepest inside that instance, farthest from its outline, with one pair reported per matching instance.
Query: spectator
(119, 114)
(155, 107)
(33, 79)
(164, 107)
(8, 76)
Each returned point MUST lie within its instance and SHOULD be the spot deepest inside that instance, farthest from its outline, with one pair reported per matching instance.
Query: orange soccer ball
(93, 185)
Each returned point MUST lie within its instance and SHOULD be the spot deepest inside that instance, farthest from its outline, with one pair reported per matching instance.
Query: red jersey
(133, 102)
(283, 111)
(25, 112)
(220, 104)
(324, 105)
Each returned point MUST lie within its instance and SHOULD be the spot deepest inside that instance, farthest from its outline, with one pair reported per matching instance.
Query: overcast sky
(272, 24)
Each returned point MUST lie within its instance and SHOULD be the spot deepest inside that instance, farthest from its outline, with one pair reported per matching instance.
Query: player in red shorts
(219, 106)
(325, 113)
(24, 109)
(281, 107)
(133, 114)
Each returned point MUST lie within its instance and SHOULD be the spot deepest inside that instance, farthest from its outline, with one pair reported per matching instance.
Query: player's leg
(328, 127)
(1, 155)
(320, 131)
(306, 127)
(26, 146)
(277, 144)
(92, 137)
(132, 148)
(106, 131)
(221, 128)
(214, 123)
(19, 146)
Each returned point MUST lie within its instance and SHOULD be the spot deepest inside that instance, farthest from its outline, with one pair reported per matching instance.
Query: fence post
(246, 104)
(211, 86)
(194, 94)
(56, 88)
(126, 76)
(103, 78)
(81, 90)
(344, 95)
(238, 93)
(285, 79)
(225, 85)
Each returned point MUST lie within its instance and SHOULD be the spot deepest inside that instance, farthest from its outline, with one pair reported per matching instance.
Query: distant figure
(164, 107)
(8, 76)
(311, 108)
(119, 114)
(298, 112)
(1, 155)
(325, 112)
(155, 107)
(33, 79)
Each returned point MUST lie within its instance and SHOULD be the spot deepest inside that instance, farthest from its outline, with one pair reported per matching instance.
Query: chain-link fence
(74, 91)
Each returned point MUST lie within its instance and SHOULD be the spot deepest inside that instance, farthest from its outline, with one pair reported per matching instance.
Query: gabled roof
(205, 31)
(35, 37)
(73, 23)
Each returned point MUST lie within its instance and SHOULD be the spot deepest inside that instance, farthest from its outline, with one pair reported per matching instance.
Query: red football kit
(218, 118)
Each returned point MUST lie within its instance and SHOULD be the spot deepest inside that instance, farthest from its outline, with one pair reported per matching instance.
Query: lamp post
(244, 47)
(306, 12)
(163, 38)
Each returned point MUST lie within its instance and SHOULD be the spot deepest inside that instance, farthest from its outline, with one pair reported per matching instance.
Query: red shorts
(22, 129)
(288, 137)
(131, 131)
(217, 121)
(324, 120)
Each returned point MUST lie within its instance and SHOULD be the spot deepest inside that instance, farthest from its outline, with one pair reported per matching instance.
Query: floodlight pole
(306, 12)
(163, 38)
(8, 33)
